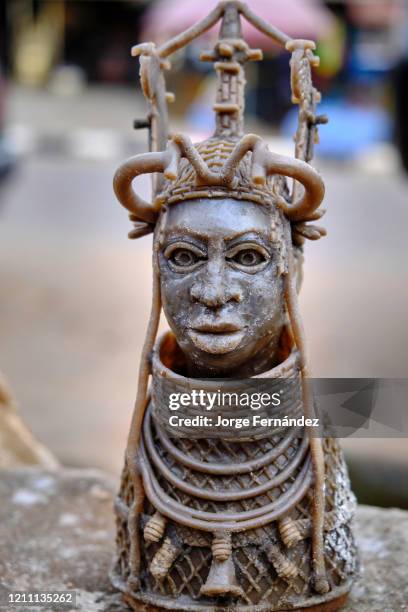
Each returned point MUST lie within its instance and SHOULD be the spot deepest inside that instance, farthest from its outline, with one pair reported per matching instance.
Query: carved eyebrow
(252, 233)
(184, 240)
(180, 232)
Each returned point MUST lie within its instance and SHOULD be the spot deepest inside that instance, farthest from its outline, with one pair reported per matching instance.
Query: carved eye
(248, 257)
(183, 257)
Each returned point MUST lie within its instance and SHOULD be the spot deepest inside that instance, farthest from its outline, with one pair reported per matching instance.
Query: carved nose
(215, 293)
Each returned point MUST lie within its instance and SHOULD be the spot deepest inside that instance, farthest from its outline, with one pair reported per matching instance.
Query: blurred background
(76, 292)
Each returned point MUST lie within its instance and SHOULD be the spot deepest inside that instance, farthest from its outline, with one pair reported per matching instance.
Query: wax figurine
(228, 524)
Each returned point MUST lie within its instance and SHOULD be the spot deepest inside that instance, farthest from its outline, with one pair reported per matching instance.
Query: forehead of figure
(227, 218)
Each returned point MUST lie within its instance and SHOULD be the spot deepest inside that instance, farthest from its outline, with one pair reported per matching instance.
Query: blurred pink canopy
(297, 18)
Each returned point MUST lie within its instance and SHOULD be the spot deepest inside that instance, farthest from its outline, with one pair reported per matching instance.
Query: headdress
(229, 164)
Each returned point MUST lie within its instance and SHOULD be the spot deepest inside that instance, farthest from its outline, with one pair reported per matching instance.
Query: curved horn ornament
(163, 161)
(265, 163)
(304, 207)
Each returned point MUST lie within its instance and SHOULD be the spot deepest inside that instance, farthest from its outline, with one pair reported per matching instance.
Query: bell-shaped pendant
(221, 580)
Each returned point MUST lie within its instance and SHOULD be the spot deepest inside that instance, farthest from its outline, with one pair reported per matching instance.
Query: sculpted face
(221, 290)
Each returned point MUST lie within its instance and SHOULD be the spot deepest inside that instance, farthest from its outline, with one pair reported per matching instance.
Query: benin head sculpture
(224, 524)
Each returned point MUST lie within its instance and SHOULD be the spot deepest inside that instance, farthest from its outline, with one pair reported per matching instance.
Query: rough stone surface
(57, 533)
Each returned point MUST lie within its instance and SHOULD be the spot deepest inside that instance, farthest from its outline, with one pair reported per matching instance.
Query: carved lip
(217, 328)
(217, 338)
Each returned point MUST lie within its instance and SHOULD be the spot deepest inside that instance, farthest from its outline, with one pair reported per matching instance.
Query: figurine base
(140, 606)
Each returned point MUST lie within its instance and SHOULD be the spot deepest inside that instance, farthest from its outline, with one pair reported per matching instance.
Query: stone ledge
(57, 532)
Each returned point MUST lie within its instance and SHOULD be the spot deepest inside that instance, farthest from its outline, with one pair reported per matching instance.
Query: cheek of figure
(221, 290)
